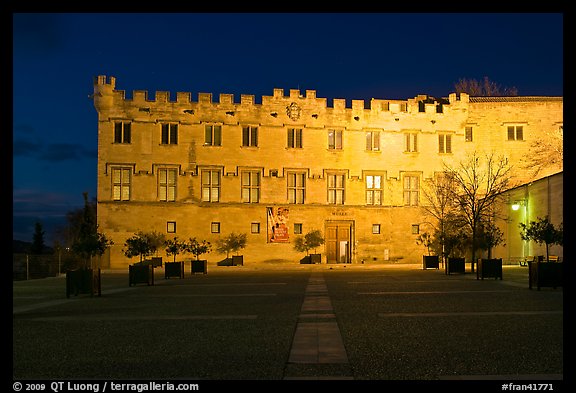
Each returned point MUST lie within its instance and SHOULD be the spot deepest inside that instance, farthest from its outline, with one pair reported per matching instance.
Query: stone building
(279, 168)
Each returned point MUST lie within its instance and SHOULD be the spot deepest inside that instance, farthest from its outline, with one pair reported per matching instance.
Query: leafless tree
(440, 206)
(545, 152)
(480, 181)
(485, 88)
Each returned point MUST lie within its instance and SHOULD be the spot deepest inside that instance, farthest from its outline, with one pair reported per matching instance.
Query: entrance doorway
(339, 241)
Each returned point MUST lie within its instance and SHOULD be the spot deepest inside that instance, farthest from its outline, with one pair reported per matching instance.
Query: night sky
(340, 55)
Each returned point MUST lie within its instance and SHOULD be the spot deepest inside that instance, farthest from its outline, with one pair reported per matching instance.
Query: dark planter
(225, 262)
(489, 268)
(174, 269)
(83, 281)
(455, 265)
(156, 261)
(311, 259)
(430, 262)
(199, 266)
(238, 260)
(140, 274)
(545, 274)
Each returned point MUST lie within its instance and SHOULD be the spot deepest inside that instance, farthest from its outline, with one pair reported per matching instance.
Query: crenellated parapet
(293, 108)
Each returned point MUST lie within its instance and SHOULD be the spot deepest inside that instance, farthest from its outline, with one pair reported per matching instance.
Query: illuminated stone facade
(292, 163)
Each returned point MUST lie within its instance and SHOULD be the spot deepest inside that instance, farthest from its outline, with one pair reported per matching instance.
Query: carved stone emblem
(293, 111)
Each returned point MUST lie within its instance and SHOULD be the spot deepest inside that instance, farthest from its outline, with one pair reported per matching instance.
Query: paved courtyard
(292, 322)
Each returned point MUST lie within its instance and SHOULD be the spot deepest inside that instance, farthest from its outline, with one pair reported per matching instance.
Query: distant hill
(22, 247)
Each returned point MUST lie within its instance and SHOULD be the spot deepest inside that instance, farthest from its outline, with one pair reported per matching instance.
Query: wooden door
(338, 242)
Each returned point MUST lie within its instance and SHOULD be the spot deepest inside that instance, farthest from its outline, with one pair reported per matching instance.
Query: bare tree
(440, 207)
(545, 152)
(480, 182)
(486, 88)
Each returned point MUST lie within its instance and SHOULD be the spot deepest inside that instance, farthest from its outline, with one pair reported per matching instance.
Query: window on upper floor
(212, 135)
(296, 187)
(335, 139)
(444, 143)
(411, 190)
(121, 182)
(515, 133)
(210, 185)
(250, 136)
(411, 139)
(336, 189)
(373, 189)
(167, 184)
(294, 138)
(169, 134)
(373, 141)
(250, 186)
(122, 132)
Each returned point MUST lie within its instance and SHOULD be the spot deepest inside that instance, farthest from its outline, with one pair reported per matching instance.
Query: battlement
(106, 93)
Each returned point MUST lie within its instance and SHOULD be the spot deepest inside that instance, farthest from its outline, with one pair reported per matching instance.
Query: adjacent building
(288, 164)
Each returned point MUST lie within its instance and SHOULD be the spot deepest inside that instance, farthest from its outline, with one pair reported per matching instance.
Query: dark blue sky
(340, 55)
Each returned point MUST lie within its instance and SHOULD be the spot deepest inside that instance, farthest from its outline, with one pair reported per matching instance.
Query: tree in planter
(198, 248)
(175, 247)
(156, 240)
(311, 241)
(138, 245)
(543, 231)
(489, 236)
(231, 243)
(88, 241)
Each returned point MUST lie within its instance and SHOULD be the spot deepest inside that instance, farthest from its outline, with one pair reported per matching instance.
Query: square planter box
(489, 268)
(545, 274)
(238, 260)
(83, 281)
(430, 262)
(455, 265)
(199, 266)
(140, 274)
(174, 269)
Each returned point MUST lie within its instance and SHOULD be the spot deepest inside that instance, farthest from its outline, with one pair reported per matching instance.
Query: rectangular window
(122, 132)
(210, 185)
(411, 142)
(373, 190)
(296, 187)
(294, 138)
(373, 141)
(336, 189)
(171, 226)
(298, 229)
(255, 227)
(376, 229)
(415, 229)
(515, 133)
(250, 136)
(250, 187)
(335, 140)
(121, 184)
(167, 184)
(444, 143)
(411, 190)
(169, 134)
(213, 135)
(468, 134)
(215, 227)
